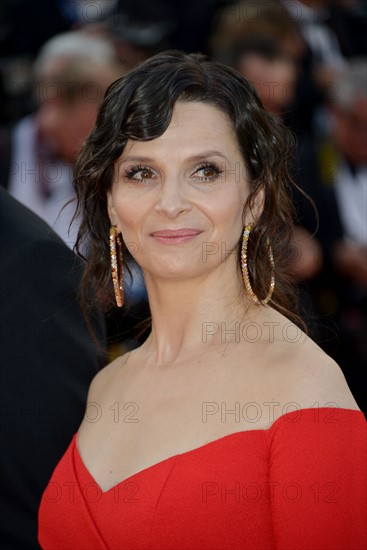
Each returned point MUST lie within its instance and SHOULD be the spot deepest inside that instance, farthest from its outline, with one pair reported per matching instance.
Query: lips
(174, 233)
(175, 236)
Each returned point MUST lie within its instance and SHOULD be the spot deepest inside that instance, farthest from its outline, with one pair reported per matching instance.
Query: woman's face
(178, 199)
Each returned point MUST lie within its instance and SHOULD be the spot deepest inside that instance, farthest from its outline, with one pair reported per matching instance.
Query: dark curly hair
(139, 106)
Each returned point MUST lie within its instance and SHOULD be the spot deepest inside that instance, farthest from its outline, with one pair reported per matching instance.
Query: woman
(228, 428)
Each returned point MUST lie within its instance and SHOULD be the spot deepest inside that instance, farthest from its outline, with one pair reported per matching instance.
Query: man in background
(47, 361)
(71, 74)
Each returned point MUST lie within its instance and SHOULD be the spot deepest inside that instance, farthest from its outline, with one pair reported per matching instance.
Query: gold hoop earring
(117, 268)
(245, 273)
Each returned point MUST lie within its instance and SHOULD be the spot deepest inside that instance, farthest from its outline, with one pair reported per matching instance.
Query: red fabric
(299, 485)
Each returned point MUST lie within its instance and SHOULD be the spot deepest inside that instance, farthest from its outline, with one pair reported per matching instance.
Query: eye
(139, 173)
(208, 172)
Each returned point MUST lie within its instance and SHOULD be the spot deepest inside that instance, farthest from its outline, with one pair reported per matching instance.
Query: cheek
(227, 229)
(130, 217)
(129, 225)
(228, 209)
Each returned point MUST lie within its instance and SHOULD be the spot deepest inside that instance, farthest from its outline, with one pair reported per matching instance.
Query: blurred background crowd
(308, 60)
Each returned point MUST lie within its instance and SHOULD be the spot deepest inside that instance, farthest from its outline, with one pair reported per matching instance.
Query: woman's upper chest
(137, 423)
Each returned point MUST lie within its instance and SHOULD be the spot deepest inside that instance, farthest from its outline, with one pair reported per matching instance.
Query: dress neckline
(291, 417)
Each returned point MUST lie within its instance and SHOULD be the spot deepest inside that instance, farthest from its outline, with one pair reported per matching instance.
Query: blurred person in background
(342, 156)
(319, 35)
(261, 59)
(241, 20)
(71, 74)
(47, 361)
(329, 260)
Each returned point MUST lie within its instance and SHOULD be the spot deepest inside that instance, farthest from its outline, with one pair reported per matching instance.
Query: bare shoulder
(106, 378)
(307, 375)
(100, 397)
(315, 378)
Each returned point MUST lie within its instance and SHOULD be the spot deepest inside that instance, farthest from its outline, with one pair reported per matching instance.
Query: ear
(111, 210)
(256, 207)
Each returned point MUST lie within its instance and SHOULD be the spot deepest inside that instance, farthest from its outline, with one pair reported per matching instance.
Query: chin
(174, 270)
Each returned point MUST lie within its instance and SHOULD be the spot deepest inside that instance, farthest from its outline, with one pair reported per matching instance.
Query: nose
(172, 200)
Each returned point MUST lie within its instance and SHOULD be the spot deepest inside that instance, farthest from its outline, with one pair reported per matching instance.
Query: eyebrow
(201, 156)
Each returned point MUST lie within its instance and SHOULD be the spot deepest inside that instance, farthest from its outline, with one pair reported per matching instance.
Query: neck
(190, 316)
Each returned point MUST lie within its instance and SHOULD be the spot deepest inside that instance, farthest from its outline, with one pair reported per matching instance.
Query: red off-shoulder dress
(299, 485)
